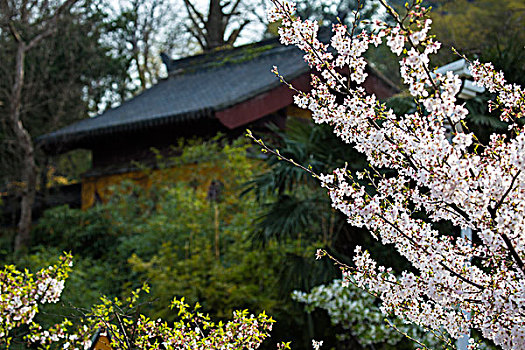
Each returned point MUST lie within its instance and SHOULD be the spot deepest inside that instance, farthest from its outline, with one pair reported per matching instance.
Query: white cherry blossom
(448, 176)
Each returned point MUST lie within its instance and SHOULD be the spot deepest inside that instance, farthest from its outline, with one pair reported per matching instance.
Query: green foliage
(239, 278)
(141, 221)
(488, 29)
(182, 241)
(68, 167)
(295, 207)
(294, 204)
(86, 233)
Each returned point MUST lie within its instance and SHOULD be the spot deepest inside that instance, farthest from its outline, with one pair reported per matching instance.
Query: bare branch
(235, 34)
(197, 32)
(15, 33)
(191, 9)
(196, 36)
(233, 9)
(51, 25)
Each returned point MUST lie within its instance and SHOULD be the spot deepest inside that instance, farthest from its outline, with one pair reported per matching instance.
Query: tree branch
(233, 9)
(196, 36)
(191, 9)
(15, 33)
(506, 239)
(235, 34)
(51, 25)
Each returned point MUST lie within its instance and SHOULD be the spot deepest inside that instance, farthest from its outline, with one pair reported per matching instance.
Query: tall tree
(140, 31)
(48, 80)
(17, 15)
(221, 26)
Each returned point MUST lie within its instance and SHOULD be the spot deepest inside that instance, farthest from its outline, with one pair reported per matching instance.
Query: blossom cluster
(21, 293)
(317, 344)
(355, 311)
(510, 96)
(438, 177)
(60, 333)
(126, 329)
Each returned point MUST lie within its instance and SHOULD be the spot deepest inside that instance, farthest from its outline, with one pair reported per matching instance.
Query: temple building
(225, 91)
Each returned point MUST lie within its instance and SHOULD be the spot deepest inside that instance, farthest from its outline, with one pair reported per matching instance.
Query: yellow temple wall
(100, 188)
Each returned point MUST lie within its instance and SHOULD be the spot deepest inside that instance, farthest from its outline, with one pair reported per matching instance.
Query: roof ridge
(224, 56)
(174, 66)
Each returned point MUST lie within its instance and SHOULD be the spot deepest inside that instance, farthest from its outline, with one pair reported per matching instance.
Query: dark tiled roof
(195, 88)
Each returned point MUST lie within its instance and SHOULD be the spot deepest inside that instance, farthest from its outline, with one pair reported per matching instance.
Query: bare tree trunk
(29, 174)
(210, 31)
(23, 138)
(214, 25)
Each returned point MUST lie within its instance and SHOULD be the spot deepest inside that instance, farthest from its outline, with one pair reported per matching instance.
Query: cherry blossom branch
(493, 213)
(276, 153)
(444, 177)
(405, 334)
(401, 23)
(266, 149)
(416, 245)
(351, 34)
(312, 50)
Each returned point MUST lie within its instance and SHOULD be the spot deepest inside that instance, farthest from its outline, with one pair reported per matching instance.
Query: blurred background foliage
(183, 239)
